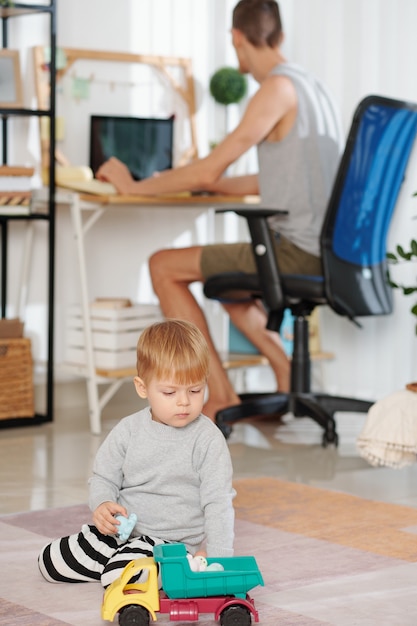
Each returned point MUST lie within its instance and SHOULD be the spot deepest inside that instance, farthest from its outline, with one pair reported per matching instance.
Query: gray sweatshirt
(178, 481)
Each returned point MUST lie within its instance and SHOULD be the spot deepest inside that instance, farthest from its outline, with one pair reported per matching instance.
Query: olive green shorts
(232, 257)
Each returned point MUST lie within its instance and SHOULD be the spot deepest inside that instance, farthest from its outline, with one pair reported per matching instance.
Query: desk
(86, 210)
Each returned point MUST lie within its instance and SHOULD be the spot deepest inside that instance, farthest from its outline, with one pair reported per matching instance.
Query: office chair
(353, 248)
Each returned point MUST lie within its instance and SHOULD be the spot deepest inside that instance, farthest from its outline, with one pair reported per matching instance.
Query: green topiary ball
(228, 85)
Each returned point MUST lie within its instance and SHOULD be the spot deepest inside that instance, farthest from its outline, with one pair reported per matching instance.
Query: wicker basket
(16, 379)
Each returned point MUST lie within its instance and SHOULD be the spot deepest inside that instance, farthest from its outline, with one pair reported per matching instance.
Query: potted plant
(227, 86)
(401, 256)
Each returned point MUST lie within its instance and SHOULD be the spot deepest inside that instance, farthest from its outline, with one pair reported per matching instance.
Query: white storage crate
(105, 340)
(115, 332)
(103, 359)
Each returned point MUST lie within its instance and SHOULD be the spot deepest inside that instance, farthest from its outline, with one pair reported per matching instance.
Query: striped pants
(90, 556)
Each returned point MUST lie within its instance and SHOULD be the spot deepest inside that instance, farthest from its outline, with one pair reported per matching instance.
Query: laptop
(145, 145)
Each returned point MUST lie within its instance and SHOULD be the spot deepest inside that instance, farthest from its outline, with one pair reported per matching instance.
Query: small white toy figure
(126, 525)
(215, 567)
(199, 564)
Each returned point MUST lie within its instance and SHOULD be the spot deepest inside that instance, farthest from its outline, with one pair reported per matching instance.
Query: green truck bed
(241, 573)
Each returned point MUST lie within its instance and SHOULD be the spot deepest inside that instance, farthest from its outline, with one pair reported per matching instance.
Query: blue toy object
(126, 525)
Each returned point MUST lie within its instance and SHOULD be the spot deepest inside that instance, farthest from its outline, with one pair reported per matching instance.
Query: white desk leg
(22, 292)
(92, 383)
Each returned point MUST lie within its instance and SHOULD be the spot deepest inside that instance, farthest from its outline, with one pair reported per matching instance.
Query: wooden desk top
(179, 199)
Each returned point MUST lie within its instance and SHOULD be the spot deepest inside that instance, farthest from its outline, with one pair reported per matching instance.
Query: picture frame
(11, 91)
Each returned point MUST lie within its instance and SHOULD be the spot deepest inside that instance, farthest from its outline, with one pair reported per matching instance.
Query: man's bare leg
(250, 318)
(172, 271)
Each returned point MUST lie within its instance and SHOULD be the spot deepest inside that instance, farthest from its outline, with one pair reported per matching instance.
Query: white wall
(356, 46)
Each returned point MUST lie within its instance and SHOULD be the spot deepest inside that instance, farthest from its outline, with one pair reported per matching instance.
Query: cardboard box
(11, 328)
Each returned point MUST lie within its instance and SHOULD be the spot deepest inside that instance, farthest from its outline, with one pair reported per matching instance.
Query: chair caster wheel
(330, 438)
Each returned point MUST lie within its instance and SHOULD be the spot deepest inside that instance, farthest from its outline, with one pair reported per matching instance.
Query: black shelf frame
(17, 10)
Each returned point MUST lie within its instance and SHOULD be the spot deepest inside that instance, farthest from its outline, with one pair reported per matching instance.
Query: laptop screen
(145, 145)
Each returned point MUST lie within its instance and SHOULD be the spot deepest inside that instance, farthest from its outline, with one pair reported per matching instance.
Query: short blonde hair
(173, 350)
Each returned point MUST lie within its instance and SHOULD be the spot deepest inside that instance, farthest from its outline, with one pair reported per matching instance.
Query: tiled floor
(49, 465)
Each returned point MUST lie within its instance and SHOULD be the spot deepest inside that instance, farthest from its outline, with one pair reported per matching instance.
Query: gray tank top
(297, 173)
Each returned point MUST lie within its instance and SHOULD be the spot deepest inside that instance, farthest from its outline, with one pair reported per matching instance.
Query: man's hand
(117, 173)
(103, 517)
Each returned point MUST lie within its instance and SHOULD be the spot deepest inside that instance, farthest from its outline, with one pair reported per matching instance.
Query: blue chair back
(354, 234)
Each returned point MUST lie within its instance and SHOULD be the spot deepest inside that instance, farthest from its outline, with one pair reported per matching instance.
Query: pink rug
(326, 558)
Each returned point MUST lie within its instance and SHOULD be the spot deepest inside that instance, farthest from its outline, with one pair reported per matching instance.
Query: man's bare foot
(212, 406)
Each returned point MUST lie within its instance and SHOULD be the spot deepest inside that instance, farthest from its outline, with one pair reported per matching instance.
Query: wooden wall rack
(161, 64)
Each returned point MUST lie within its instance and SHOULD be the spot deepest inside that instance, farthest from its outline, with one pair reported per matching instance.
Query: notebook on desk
(81, 179)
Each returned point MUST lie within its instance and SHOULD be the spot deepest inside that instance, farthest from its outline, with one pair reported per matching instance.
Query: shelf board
(5, 112)
(24, 9)
(230, 360)
(13, 422)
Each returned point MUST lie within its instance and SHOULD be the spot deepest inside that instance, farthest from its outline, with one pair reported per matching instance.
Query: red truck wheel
(235, 615)
(134, 615)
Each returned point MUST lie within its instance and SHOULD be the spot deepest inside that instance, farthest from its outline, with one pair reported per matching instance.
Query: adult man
(292, 121)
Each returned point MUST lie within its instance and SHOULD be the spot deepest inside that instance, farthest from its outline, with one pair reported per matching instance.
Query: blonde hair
(173, 350)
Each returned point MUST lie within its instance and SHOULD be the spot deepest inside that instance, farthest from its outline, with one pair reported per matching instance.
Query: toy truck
(185, 593)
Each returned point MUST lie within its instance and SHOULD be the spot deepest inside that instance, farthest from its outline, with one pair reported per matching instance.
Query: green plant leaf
(403, 254)
(391, 256)
(413, 246)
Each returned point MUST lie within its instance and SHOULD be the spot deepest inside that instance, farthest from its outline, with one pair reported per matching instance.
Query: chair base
(319, 407)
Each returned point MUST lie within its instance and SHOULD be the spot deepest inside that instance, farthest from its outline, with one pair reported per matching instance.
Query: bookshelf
(19, 11)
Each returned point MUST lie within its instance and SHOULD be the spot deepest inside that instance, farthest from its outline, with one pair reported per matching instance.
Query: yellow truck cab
(144, 594)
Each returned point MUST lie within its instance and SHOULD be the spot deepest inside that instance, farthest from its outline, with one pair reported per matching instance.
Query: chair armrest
(256, 212)
(264, 253)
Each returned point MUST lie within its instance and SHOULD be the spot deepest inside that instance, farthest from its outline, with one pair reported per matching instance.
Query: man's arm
(235, 185)
(274, 103)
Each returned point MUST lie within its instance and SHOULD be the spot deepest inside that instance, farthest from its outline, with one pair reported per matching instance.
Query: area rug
(327, 558)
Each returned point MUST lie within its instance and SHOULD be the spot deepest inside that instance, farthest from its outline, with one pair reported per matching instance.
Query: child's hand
(103, 517)
(202, 553)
